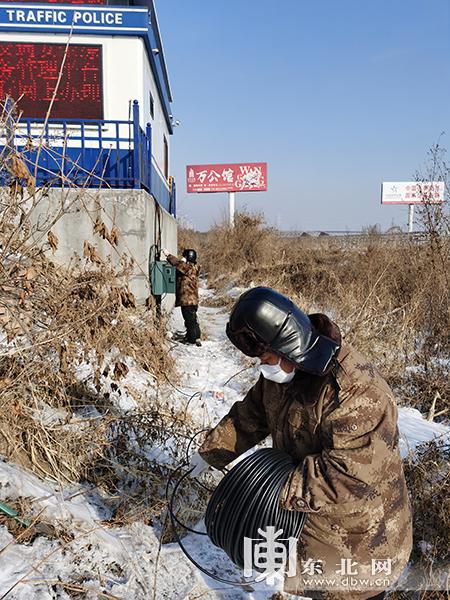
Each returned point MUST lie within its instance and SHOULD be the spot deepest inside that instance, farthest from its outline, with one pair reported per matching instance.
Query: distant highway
(354, 234)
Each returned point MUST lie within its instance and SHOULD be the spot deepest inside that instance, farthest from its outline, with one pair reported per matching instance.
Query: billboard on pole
(412, 192)
(230, 177)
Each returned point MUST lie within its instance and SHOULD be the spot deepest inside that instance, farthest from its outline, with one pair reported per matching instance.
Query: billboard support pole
(231, 206)
(411, 218)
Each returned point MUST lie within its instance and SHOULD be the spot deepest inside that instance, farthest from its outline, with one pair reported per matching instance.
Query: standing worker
(187, 291)
(327, 406)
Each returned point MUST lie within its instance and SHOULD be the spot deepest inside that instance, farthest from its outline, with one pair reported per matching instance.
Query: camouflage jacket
(349, 479)
(187, 281)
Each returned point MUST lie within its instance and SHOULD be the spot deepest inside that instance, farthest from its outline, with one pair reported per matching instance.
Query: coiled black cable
(248, 499)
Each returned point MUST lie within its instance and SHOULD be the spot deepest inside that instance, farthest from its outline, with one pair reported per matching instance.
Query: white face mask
(276, 373)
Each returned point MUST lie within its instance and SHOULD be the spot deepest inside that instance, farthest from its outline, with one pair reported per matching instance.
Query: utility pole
(231, 207)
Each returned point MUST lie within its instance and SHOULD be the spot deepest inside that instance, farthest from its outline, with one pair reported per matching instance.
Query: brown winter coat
(187, 281)
(349, 478)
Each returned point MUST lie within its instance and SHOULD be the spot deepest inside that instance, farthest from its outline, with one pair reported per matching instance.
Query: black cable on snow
(246, 499)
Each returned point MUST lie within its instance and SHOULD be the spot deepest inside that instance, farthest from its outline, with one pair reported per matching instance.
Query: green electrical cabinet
(162, 278)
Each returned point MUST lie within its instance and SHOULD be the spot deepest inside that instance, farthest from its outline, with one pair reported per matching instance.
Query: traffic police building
(110, 122)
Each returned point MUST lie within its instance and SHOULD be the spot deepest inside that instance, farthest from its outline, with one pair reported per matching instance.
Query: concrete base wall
(140, 222)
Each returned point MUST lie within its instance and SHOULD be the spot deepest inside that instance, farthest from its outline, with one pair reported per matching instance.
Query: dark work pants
(191, 322)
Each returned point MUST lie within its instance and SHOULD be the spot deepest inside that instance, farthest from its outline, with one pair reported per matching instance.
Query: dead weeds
(65, 331)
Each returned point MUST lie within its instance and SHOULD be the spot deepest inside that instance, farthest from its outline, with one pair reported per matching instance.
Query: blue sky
(335, 95)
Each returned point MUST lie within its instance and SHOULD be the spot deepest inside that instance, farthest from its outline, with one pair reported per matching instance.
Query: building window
(152, 106)
(166, 158)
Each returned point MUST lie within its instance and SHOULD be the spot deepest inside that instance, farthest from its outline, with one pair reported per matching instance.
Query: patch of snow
(415, 430)
(121, 394)
(128, 559)
(216, 375)
(234, 291)
(48, 416)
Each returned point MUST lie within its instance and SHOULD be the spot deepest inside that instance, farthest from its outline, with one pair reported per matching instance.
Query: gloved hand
(198, 465)
(164, 251)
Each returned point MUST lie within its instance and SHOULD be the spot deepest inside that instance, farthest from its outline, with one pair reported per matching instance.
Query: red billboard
(240, 177)
(29, 72)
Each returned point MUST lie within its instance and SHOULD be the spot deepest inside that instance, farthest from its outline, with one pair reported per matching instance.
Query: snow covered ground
(128, 562)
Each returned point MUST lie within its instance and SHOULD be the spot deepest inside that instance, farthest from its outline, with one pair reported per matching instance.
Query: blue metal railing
(93, 153)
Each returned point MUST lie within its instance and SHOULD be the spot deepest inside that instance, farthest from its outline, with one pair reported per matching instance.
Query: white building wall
(127, 76)
(132, 212)
(158, 123)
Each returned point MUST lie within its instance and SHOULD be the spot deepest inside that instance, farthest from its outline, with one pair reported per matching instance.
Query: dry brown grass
(428, 474)
(54, 320)
(57, 319)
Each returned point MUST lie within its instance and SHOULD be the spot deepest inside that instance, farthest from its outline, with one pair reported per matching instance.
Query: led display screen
(29, 74)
